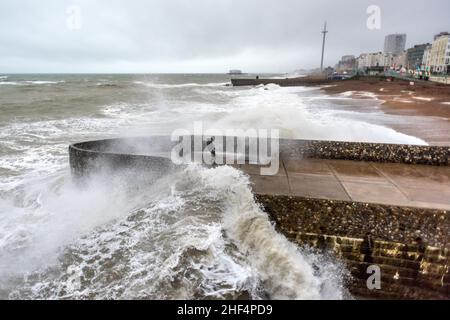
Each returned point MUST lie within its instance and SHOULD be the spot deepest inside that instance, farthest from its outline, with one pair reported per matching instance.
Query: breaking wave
(196, 234)
(284, 109)
(27, 82)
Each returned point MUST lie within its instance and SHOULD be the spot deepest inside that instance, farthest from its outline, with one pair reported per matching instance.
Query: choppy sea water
(196, 233)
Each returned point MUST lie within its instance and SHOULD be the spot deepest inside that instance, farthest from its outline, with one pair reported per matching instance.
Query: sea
(195, 233)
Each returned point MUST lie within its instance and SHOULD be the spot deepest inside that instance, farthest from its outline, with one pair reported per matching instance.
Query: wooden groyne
(287, 82)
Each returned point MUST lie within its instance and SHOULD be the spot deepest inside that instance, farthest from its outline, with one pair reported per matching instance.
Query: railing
(434, 78)
(441, 79)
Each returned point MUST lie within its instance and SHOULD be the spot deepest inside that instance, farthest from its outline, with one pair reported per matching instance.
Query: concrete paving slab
(375, 193)
(317, 186)
(383, 183)
(271, 185)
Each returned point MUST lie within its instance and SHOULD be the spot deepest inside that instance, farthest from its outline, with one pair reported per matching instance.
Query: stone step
(400, 276)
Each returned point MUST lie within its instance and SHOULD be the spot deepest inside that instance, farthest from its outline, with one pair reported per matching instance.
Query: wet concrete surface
(345, 180)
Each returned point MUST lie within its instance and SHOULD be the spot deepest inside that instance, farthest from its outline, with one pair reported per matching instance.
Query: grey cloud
(201, 35)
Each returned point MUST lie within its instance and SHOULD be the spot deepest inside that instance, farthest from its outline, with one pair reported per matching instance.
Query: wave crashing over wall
(197, 233)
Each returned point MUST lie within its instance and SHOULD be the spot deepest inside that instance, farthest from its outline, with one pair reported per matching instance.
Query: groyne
(287, 82)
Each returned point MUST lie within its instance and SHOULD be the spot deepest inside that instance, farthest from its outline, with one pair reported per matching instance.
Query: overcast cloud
(152, 36)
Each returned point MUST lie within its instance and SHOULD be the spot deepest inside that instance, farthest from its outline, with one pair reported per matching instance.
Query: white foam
(10, 83)
(263, 107)
(197, 233)
(284, 270)
(36, 82)
(195, 228)
(289, 76)
(28, 83)
(423, 98)
(358, 94)
(403, 100)
(285, 110)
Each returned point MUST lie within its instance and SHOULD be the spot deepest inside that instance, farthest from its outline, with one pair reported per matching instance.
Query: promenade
(369, 182)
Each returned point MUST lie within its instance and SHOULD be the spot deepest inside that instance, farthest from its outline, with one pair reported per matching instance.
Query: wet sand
(429, 100)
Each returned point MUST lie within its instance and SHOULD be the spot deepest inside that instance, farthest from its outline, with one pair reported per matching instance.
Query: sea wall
(356, 219)
(109, 155)
(374, 152)
(406, 271)
(135, 149)
(409, 270)
(410, 245)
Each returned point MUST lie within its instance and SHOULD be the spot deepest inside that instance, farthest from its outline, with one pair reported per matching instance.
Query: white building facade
(380, 59)
(438, 59)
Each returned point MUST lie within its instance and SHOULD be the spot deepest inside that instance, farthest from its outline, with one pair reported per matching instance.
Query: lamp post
(323, 45)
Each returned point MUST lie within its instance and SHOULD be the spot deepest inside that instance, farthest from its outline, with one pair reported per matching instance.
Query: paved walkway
(382, 183)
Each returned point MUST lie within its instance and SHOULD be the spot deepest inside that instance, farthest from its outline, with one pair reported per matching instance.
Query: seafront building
(346, 64)
(422, 60)
(415, 56)
(397, 61)
(367, 60)
(439, 54)
(395, 43)
(426, 61)
(380, 59)
(394, 55)
(362, 61)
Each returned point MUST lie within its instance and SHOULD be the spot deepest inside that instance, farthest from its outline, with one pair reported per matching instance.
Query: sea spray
(283, 270)
(51, 232)
(196, 233)
(287, 110)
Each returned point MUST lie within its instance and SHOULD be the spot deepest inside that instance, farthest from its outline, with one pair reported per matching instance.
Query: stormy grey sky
(152, 36)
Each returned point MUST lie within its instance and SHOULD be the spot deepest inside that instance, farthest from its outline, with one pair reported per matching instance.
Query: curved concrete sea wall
(138, 153)
(409, 244)
(146, 150)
